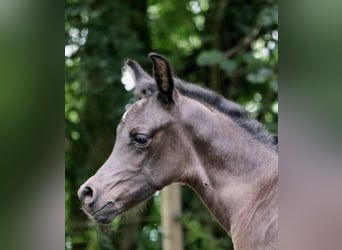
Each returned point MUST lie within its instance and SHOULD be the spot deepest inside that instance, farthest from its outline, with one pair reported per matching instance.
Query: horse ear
(163, 77)
(134, 77)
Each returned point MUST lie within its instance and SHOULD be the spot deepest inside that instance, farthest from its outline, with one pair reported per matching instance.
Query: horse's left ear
(134, 77)
(163, 77)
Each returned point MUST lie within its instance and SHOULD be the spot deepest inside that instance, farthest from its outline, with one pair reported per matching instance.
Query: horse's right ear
(134, 77)
(163, 77)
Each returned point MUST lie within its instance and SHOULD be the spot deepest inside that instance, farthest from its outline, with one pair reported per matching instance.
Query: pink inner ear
(162, 72)
(161, 67)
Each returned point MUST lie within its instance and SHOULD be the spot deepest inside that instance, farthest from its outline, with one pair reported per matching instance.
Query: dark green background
(32, 123)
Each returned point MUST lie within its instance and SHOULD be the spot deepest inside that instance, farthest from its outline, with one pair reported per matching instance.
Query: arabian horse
(180, 132)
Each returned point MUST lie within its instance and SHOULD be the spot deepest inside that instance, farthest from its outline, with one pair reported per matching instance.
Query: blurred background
(230, 47)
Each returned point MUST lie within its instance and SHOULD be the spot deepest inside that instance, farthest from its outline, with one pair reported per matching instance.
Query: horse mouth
(104, 215)
(107, 213)
(105, 218)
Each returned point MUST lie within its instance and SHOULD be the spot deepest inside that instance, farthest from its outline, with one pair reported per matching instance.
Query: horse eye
(141, 140)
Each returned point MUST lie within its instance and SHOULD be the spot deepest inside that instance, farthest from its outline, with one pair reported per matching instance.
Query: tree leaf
(210, 58)
(228, 66)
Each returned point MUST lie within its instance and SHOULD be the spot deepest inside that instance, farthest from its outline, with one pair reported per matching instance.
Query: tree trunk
(171, 209)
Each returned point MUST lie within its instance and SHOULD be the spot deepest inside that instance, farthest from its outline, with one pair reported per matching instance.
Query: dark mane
(233, 110)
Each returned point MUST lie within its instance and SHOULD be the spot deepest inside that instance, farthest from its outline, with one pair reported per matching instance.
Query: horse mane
(236, 112)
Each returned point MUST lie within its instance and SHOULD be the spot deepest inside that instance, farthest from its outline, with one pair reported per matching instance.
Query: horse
(180, 132)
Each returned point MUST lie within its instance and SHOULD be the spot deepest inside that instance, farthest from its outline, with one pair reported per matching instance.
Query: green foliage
(199, 238)
(210, 58)
(228, 46)
(215, 57)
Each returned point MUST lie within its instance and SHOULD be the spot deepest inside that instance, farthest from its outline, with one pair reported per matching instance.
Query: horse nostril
(87, 195)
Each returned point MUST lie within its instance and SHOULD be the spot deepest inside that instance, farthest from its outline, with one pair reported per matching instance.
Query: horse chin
(105, 215)
(109, 212)
(105, 218)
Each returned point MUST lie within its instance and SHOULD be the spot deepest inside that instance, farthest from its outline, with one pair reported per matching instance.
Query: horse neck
(234, 173)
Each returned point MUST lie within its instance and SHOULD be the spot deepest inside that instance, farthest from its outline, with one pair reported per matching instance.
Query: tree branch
(246, 41)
